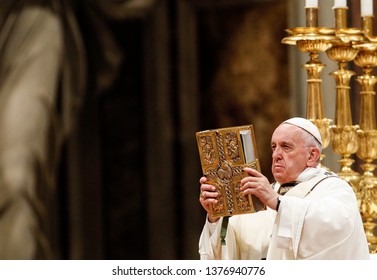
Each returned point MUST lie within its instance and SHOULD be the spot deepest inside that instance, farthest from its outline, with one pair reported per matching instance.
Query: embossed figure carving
(207, 149)
(232, 146)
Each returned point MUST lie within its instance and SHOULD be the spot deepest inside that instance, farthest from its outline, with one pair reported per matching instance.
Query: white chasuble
(319, 223)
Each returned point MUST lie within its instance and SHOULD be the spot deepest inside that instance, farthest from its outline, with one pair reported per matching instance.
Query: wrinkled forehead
(287, 133)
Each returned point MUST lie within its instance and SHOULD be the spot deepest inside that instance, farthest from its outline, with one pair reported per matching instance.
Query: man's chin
(279, 176)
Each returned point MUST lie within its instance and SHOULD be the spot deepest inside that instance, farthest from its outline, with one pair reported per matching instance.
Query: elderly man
(311, 213)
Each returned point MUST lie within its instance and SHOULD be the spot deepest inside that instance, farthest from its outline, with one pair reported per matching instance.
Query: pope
(311, 212)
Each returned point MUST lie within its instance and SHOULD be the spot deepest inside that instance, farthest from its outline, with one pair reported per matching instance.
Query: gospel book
(224, 153)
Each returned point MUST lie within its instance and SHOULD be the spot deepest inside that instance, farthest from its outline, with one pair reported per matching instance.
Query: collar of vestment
(306, 175)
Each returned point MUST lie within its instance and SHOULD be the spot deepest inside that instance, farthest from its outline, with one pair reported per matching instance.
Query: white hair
(310, 140)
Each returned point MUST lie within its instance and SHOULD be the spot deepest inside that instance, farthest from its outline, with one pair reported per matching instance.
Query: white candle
(366, 8)
(311, 4)
(340, 4)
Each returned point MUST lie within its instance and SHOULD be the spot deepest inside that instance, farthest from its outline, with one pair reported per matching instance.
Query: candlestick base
(368, 207)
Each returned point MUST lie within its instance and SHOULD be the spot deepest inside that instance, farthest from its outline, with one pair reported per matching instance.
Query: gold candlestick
(368, 185)
(367, 134)
(344, 138)
(314, 40)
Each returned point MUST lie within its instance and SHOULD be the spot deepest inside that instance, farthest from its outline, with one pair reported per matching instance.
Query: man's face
(289, 154)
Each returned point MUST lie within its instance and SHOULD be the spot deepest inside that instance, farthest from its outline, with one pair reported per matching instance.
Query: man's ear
(314, 156)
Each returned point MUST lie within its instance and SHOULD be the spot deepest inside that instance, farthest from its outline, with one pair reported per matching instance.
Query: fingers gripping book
(224, 153)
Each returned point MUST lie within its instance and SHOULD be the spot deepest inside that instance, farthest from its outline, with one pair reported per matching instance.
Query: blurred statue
(42, 81)
(47, 48)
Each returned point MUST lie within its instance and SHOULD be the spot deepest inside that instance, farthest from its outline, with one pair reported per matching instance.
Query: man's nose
(276, 152)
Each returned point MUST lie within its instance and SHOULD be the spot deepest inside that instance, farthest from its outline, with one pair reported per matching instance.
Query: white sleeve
(209, 242)
(247, 237)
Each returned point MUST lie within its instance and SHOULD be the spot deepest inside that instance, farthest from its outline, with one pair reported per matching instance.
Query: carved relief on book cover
(224, 153)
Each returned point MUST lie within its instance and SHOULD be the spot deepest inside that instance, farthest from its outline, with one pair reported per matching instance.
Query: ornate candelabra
(313, 40)
(344, 45)
(367, 134)
(344, 137)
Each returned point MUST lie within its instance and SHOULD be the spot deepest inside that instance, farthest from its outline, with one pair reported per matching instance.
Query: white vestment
(322, 223)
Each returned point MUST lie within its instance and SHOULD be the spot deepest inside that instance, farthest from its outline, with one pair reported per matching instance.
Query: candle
(311, 4)
(366, 8)
(340, 4)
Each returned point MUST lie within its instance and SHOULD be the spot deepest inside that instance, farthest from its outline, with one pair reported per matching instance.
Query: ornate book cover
(224, 153)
